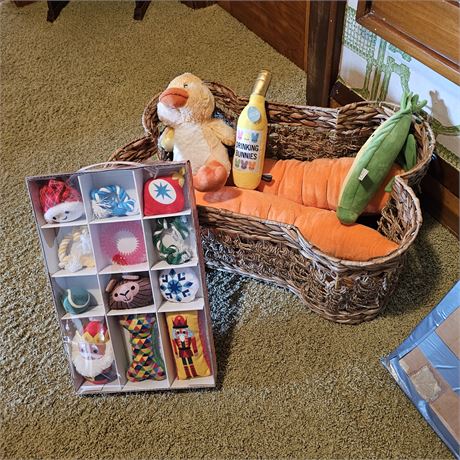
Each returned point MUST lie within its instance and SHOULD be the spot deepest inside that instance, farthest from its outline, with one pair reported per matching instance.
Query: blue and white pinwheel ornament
(112, 201)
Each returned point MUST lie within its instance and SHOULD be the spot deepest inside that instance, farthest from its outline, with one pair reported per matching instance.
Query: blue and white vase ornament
(179, 285)
(112, 201)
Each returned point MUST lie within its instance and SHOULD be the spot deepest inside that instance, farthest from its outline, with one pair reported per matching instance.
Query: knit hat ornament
(60, 201)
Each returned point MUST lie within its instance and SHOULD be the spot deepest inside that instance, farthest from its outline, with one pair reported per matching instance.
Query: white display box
(114, 232)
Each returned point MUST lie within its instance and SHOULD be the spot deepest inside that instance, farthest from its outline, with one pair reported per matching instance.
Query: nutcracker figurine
(188, 345)
(184, 345)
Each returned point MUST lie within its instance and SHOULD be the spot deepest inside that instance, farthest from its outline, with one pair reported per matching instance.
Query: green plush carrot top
(375, 158)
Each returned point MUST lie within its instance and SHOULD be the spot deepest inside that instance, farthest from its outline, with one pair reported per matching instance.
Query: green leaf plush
(410, 153)
(374, 160)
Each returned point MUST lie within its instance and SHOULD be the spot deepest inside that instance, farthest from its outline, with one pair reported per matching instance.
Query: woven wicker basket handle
(108, 165)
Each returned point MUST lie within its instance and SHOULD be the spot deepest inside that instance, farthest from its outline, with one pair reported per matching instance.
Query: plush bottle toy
(186, 107)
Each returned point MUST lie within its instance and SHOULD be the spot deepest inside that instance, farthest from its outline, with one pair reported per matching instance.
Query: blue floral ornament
(179, 286)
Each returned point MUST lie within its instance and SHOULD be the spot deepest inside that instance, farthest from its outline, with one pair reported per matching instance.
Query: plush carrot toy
(317, 183)
(306, 194)
(319, 226)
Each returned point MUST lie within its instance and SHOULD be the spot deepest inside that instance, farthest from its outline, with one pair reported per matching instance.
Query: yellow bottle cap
(262, 83)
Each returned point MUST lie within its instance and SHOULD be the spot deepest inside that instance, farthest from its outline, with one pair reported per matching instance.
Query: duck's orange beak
(174, 97)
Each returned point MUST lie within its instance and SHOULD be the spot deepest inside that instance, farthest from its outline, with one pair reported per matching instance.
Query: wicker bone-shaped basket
(339, 290)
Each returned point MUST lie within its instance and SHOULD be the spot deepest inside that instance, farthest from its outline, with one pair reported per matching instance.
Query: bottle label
(247, 150)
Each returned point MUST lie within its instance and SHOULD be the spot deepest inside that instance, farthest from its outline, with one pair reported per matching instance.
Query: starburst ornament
(164, 195)
(163, 192)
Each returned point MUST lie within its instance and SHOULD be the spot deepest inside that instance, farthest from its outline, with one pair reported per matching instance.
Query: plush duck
(186, 108)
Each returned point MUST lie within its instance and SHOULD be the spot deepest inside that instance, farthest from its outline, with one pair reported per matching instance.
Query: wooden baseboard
(440, 187)
(21, 3)
(343, 95)
(440, 203)
(445, 174)
(197, 4)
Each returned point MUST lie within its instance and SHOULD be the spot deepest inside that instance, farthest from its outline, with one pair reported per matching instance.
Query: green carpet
(291, 385)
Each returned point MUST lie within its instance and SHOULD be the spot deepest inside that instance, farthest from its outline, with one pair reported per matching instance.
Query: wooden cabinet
(282, 24)
(309, 33)
(427, 30)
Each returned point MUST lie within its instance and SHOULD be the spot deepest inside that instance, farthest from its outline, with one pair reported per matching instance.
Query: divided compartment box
(122, 236)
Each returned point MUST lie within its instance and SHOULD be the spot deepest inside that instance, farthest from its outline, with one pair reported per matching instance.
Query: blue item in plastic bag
(427, 368)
